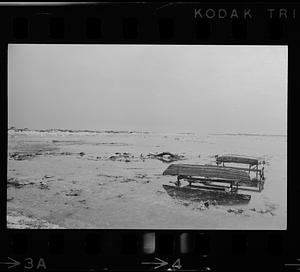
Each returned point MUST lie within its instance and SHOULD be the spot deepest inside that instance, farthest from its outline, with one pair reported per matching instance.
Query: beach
(109, 180)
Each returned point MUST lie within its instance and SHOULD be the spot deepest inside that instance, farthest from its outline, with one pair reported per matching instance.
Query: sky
(161, 88)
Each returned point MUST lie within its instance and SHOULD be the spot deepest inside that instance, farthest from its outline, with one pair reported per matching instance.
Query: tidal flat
(111, 180)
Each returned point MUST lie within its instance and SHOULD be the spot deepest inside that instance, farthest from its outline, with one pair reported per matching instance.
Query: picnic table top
(207, 171)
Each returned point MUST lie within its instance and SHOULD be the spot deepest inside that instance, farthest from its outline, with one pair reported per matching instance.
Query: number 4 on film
(177, 264)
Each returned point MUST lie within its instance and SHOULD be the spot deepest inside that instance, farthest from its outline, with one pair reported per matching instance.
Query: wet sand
(108, 180)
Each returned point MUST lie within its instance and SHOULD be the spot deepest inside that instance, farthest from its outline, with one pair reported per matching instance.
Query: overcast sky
(199, 88)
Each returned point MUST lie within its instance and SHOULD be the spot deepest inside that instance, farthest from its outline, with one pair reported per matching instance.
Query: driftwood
(166, 156)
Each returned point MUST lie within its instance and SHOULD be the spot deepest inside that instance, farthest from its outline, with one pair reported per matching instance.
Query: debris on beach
(74, 192)
(21, 156)
(235, 211)
(125, 156)
(163, 156)
(43, 185)
(202, 205)
(66, 153)
(128, 157)
(199, 205)
(118, 131)
(263, 211)
(17, 183)
(18, 156)
(206, 203)
(166, 157)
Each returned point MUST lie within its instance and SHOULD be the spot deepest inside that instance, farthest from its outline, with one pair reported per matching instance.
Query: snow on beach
(109, 179)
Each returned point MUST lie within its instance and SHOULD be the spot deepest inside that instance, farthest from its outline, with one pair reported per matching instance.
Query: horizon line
(141, 131)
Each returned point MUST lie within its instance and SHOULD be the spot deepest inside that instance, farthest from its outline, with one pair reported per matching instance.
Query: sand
(105, 180)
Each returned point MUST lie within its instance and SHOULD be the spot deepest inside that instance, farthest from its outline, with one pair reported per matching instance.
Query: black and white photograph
(147, 137)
